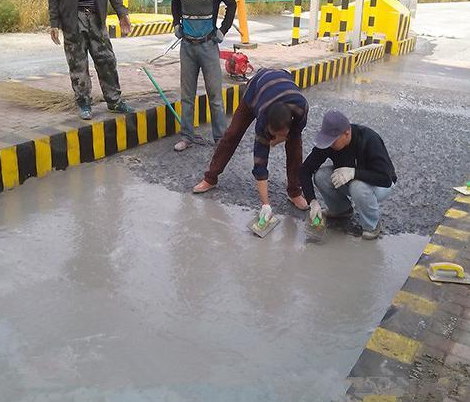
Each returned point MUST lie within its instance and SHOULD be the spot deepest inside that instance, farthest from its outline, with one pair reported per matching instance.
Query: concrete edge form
(36, 158)
(423, 342)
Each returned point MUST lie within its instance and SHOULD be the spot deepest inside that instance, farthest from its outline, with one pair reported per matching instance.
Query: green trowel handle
(316, 221)
(261, 222)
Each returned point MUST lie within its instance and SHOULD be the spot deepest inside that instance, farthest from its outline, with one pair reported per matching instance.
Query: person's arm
(260, 169)
(229, 15)
(310, 166)
(176, 11)
(54, 13)
(300, 119)
(263, 192)
(118, 6)
(377, 158)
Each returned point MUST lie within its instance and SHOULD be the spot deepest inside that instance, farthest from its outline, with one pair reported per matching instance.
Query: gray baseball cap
(334, 124)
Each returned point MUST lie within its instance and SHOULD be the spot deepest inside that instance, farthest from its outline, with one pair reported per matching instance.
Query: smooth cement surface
(114, 289)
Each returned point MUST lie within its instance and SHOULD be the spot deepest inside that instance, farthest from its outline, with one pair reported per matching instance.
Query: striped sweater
(265, 88)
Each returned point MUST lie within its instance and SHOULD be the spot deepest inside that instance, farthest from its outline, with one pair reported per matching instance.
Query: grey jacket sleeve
(119, 7)
(54, 13)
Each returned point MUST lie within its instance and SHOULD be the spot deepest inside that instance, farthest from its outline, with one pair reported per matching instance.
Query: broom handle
(165, 99)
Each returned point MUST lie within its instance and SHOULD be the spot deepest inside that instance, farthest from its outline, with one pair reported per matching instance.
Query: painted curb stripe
(380, 398)
(393, 345)
(142, 29)
(456, 234)
(43, 156)
(417, 304)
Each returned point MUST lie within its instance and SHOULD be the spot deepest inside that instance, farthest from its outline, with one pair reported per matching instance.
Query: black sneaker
(85, 112)
(342, 215)
(120, 107)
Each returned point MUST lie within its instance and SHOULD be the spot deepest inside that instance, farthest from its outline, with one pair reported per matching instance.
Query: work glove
(218, 37)
(315, 210)
(266, 213)
(178, 31)
(342, 175)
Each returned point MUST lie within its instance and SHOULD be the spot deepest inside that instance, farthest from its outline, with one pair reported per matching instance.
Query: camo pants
(92, 38)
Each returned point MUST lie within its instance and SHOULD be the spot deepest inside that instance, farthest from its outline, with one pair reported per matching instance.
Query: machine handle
(448, 266)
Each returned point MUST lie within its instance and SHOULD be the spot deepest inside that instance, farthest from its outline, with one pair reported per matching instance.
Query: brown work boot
(299, 202)
(202, 187)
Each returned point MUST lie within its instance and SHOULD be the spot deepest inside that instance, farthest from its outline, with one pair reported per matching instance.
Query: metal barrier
(343, 26)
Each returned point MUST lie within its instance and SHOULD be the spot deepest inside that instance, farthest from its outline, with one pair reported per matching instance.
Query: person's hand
(178, 31)
(55, 35)
(218, 37)
(125, 23)
(266, 213)
(315, 210)
(342, 175)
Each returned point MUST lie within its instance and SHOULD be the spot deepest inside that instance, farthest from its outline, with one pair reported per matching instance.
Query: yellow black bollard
(296, 27)
(343, 26)
(328, 18)
(371, 22)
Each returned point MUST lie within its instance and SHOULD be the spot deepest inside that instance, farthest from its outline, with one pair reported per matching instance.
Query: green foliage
(9, 16)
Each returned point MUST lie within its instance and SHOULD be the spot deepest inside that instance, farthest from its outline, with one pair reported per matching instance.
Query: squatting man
(362, 173)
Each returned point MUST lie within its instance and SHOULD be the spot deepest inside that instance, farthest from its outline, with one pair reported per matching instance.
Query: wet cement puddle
(115, 289)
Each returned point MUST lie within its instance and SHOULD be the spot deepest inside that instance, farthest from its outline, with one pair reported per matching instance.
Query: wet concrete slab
(116, 289)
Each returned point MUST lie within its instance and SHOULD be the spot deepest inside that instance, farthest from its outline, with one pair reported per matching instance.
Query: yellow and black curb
(422, 321)
(142, 29)
(36, 158)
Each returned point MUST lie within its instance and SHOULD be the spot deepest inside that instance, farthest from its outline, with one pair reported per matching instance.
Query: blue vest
(198, 17)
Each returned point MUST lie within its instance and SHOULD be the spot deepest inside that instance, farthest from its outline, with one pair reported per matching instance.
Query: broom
(49, 101)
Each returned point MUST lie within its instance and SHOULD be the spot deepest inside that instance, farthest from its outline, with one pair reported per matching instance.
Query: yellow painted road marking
(43, 156)
(73, 148)
(196, 111)
(444, 252)
(393, 345)
(380, 398)
(161, 120)
(98, 140)
(236, 97)
(121, 133)
(9, 162)
(456, 214)
(457, 234)
(417, 304)
(463, 199)
(178, 110)
(142, 127)
(419, 272)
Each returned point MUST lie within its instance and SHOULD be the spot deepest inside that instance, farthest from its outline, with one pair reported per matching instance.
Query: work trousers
(366, 198)
(226, 147)
(92, 37)
(193, 58)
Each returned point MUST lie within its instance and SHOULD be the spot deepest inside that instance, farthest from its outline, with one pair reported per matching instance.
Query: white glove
(178, 31)
(218, 37)
(315, 210)
(342, 175)
(266, 213)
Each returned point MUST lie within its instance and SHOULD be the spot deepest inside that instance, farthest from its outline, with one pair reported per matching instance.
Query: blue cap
(334, 124)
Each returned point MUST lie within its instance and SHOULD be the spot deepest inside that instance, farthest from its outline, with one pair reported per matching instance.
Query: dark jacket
(366, 153)
(64, 13)
(193, 6)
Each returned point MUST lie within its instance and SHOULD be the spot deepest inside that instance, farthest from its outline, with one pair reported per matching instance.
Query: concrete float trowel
(448, 272)
(316, 229)
(261, 228)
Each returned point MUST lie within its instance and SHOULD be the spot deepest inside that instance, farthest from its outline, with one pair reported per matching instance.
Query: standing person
(362, 172)
(83, 23)
(195, 22)
(280, 110)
